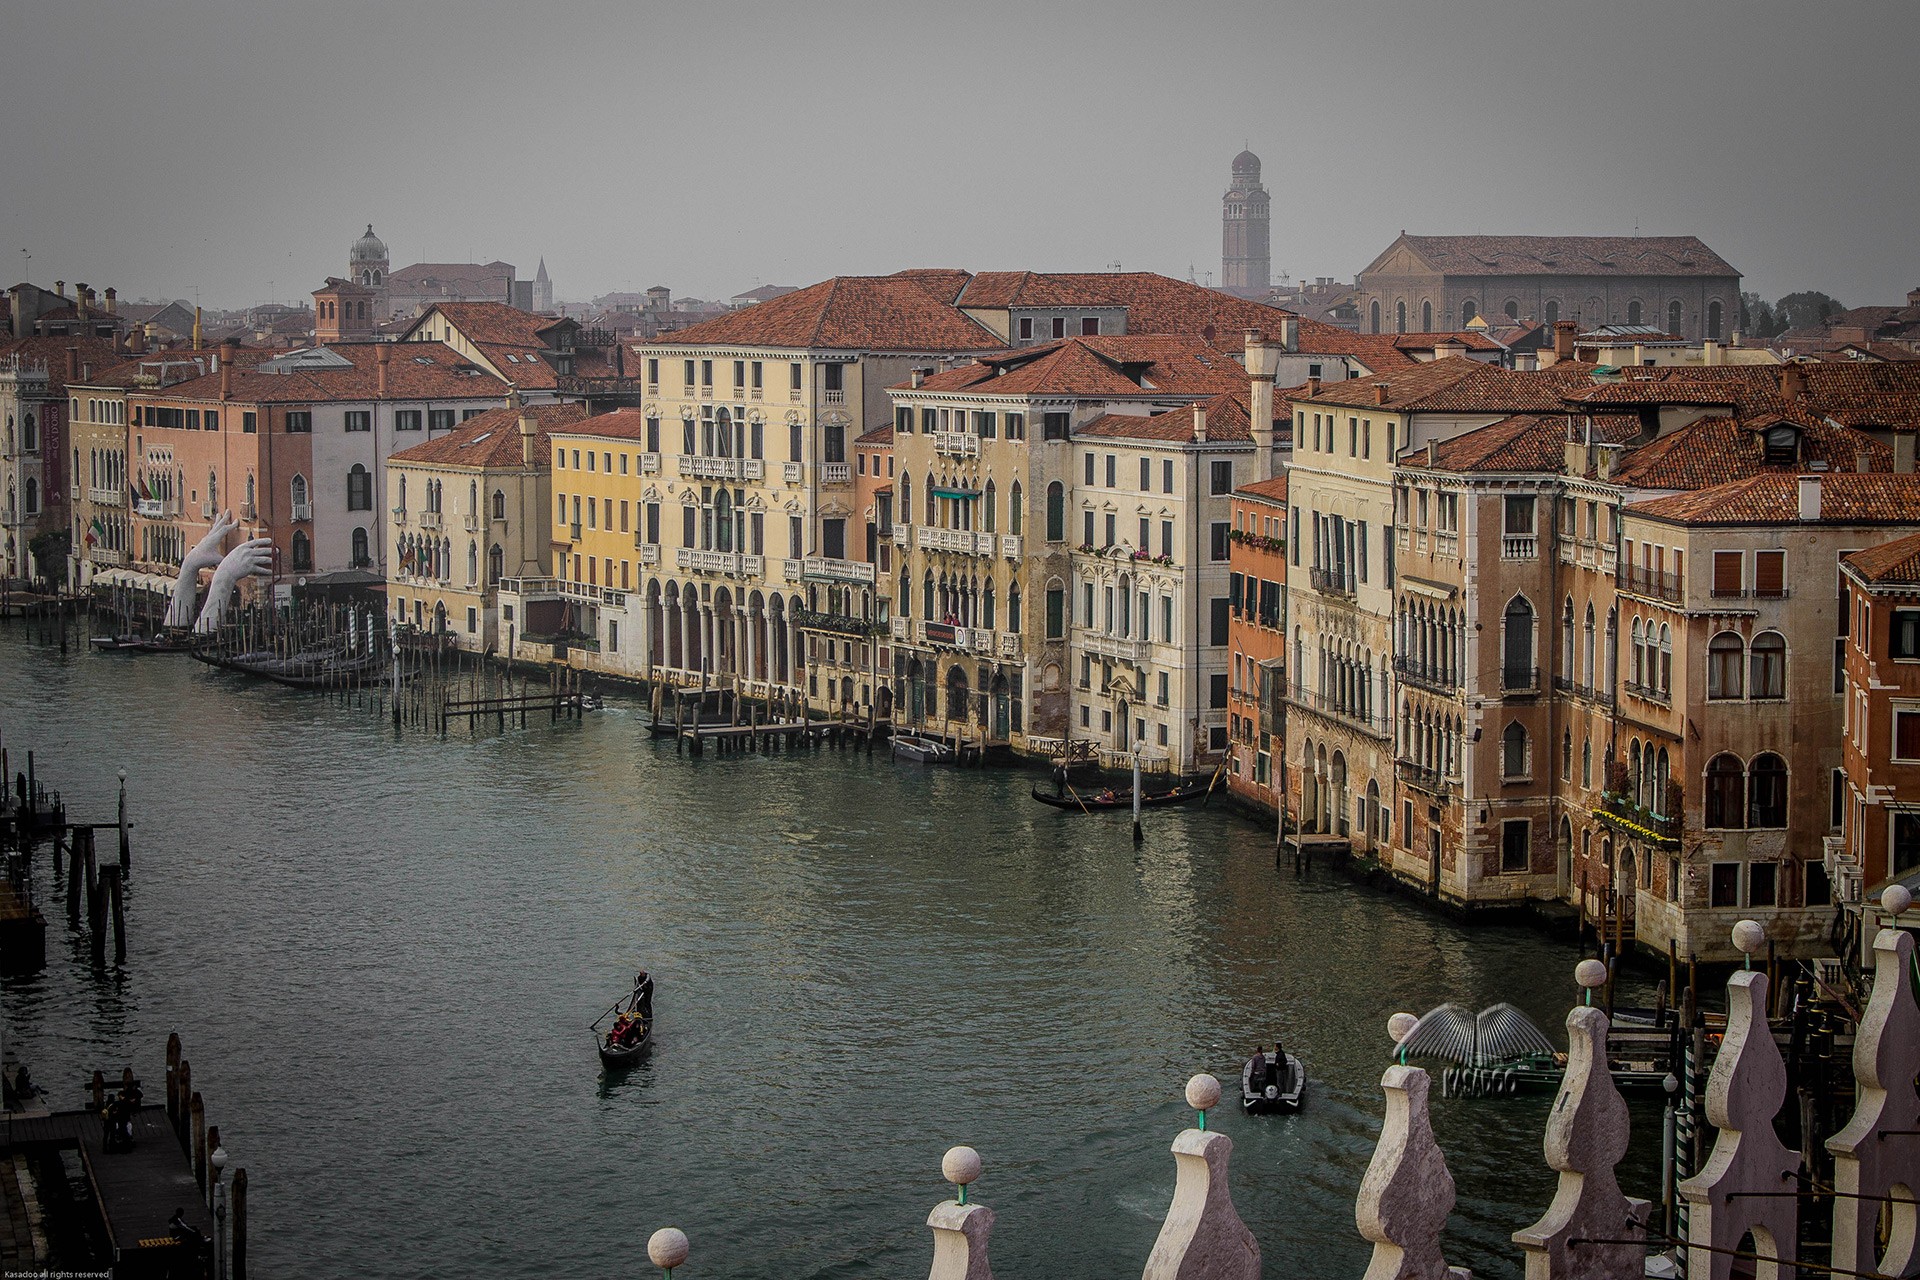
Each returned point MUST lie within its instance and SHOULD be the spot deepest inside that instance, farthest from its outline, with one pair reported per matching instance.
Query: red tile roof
(621, 424)
(98, 352)
(1471, 339)
(1568, 255)
(1274, 490)
(877, 437)
(1715, 450)
(849, 313)
(1773, 498)
(1526, 442)
(1094, 368)
(415, 371)
(1857, 393)
(492, 439)
(1227, 421)
(1459, 386)
(1894, 562)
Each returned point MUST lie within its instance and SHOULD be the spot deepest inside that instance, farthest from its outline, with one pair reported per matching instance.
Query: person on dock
(643, 996)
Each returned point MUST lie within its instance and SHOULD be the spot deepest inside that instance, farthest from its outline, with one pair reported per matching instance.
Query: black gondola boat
(626, 1054)
(1078, 801)
(1279, 1094)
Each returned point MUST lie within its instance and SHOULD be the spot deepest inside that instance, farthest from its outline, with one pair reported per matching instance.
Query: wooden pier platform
(23, 931)
(136, 1191)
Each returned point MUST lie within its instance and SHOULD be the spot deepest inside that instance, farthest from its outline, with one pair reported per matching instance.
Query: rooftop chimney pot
(1809, 497)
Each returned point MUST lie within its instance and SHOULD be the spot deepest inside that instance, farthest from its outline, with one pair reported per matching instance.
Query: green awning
(938, 492)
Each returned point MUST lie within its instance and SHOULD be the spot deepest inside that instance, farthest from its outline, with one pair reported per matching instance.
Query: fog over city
(231, 151)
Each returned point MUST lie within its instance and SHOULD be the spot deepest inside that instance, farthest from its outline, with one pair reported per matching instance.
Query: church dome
(371, 248)
(1245, 165)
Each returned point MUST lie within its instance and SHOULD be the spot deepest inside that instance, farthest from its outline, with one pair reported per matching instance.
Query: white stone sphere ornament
(1399, 1027)
(1749, 936)
(960, 1166)
(1590, 973)
(1896, 899)
(668, 1248)
(1203, 1092)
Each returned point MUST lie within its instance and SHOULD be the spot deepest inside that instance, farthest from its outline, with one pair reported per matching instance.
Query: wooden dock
(136, 1191)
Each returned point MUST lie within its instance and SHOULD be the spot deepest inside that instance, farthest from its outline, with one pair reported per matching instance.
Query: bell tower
(1246, 263)
(367, 267)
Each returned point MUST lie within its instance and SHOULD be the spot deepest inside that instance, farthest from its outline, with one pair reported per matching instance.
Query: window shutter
(1906, 735)
(1726, 573)
(1769, 573)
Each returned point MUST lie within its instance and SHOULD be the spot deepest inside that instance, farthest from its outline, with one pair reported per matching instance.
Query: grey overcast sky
(240, 146)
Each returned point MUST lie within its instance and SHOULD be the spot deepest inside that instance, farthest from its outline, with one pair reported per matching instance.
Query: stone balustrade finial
(961, 1231)
(1876, 1152)
(1408, 1192)
(667, 1248)
(1202, 1237)
(1737, 1190)
(1586, 1138)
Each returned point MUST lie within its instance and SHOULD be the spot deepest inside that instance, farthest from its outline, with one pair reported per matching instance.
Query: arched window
(986, 607)
(299, 493)
(1633, 312)
(1768, 667)
(1016, 516)
(473, 497)
(1666, 660)
(402, 503)
(1512, 308)
(1566, 641)
(1725, 791)
(1566, 756)
(1636, 781)
(1725, 655)
(932, 501)
(1661, 776)
(499, 504)
(302, 551)
(473, 562)
(1553, 312)
(1639, 657)
(1373, 314)
(1713, 320)
(496, 564)
(1468, 310)
(359, 488)
(990, 508)
(1426, 317)
(1675, 317)
(33, 496)
(360, 557)
(1399, 317)
(1586, 762)
(927, 599)
(1517, 650)
(1514, 751)
(1013, 608)
(1056, 512)
(1767, 792)
(906, 499)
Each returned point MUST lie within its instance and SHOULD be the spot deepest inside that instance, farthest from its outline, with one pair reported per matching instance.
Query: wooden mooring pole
(237, 1251)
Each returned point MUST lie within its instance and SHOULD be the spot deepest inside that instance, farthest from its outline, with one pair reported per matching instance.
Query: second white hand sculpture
(206, 554)
(251, 559)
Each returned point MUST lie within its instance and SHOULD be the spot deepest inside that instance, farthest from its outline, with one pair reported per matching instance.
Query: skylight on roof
(476, 440)
(423, 359)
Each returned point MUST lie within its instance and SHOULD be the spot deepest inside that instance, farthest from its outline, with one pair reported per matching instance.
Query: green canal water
(382, 953)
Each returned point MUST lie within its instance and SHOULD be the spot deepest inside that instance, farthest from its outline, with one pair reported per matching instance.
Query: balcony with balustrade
(1339, 712)
(732, 564)
(649, 551)
(303, 512)
(1650, 584)
(1010, 545)
(1519, 546)
(1329, 583)
(959, 541)
(431, 520)
(1421, 778)
(1519, 680)
(836, 473)
(1431, 676)
(649, 463)
(106, 497)
(793, 472)
(1117, 648)
(902, 535)
(956, 444)
(700, 467)
(824, 569)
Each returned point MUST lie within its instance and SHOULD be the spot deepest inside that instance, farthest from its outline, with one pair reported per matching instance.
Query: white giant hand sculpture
(251, 559)
(205, 555)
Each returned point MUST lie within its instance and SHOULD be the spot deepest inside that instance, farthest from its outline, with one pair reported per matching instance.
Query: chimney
(60, 290)
(1262, 362)
(1710, 353)
(1379, 393)
(1736, 338)
(196, 328)
(19, 308)
(528, 428)
(136, 340)
(113, 301)
(1903, 452)
(226, 379)
(1199, 422)
(1809, 497)
(80, 301)
(1564, 332)
(381, 356)
(1862, 461)
(1313, 387)
(73, 364)
(1639, 354)
(917, 377)
(1793, 381)
(1290, 333)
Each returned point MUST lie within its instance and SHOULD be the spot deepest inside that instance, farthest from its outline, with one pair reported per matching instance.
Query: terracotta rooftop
(415, 371)
(1227, 421)
(849, 313)
(1458, 386)
(492, 439)
(621, 424)
(1568, 255)
(1846, 497)
(98, 352)
(1525, 442)
(1893, 562)
(1715, 450)
(876, 437)
(1119, 366)
(1865, 394)
(1274, 490)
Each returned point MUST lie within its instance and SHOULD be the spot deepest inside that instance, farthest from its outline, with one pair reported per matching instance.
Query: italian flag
(95, 531)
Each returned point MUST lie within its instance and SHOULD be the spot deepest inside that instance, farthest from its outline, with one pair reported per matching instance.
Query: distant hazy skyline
(240, 148)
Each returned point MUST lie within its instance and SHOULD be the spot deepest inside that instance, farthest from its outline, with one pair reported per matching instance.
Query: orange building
(1879, 841)
(1256, 634)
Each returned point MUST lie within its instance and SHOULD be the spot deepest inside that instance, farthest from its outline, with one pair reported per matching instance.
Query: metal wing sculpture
(1452, 1031)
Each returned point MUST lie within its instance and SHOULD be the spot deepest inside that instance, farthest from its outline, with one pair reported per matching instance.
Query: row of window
(1594, 313)
(983, 423)
(298, 421)
(1358, 437)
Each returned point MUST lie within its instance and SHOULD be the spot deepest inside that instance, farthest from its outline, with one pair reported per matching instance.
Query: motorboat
(912, 746)
(1279, 1090)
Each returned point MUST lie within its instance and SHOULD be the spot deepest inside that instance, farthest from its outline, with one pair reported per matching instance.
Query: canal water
(382, 954)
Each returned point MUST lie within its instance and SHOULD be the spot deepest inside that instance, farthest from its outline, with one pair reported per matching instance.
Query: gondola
(118, 644)
(1078, 801)
(1278, 1095)
(625, 1054)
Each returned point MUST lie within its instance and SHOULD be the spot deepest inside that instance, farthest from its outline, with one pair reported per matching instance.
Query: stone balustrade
(1739, 1224)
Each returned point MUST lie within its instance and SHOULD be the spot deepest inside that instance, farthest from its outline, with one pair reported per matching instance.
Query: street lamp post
(219, 1161)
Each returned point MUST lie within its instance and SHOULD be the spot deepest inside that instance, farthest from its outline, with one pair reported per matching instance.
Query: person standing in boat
(643, 996)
